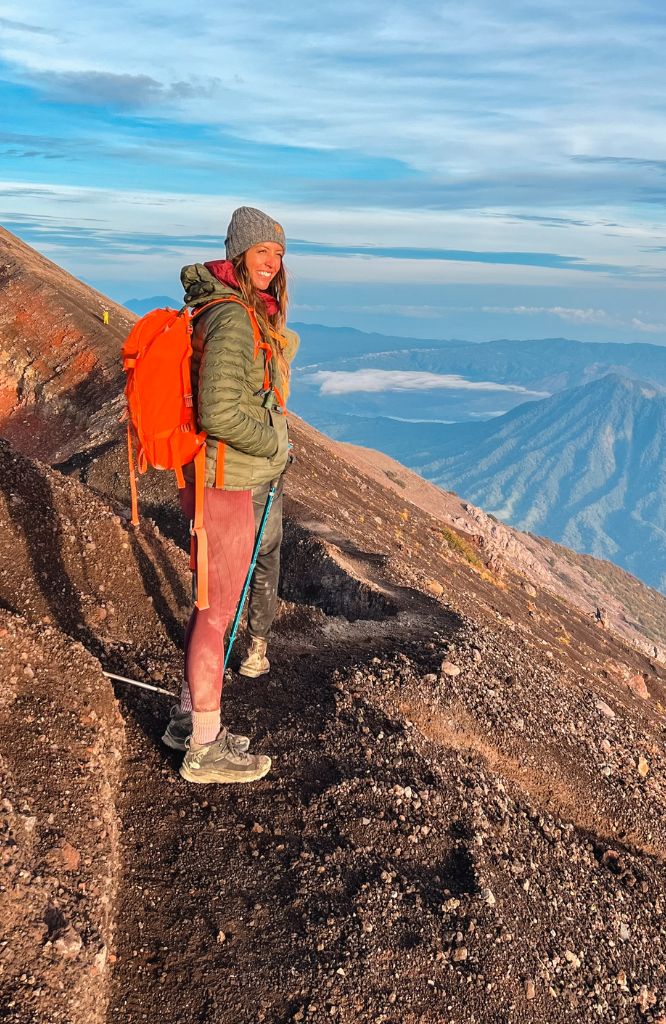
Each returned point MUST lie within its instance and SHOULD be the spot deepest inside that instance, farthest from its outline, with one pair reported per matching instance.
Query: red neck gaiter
(224, 271)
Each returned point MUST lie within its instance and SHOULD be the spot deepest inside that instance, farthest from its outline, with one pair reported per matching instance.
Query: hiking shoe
(222, 761)
(179, 730)
(255, 663)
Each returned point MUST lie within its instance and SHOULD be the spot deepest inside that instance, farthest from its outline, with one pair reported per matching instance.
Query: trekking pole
(248, 578)
(135, 682)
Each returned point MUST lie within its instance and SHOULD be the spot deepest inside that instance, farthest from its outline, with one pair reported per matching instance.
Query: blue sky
(472, 171)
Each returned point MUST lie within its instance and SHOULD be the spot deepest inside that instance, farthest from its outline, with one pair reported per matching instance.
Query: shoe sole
(252, 673)
(175, 744)
(223, 777)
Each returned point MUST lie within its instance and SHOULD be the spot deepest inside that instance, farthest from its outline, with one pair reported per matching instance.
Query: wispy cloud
(518, 144)
(468, 83)
(9, 25)
(576, 316)
(647, 327)
(339, 382)
(580, 316)
(100, 88)
(553, 260)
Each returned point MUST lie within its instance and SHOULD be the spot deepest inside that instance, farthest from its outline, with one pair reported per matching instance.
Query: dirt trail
(373, 876)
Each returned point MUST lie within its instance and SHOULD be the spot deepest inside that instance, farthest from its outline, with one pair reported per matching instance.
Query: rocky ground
(463, 823)
(63, 743)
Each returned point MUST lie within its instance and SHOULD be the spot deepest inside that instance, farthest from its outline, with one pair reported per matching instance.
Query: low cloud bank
(340, 382)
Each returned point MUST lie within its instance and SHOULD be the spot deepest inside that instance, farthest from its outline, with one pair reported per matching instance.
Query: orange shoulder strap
(256, 332)
(132, 476)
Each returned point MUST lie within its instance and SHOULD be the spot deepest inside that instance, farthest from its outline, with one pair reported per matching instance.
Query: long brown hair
(277, 322)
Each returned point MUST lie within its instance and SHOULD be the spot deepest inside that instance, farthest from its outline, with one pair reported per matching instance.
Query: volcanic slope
(464, 821)
(58, 360)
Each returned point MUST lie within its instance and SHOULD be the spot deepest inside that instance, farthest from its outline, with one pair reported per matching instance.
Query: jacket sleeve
(292, 345)
(224, 375)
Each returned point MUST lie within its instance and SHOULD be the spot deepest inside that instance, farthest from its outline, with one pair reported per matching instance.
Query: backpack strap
(259, 342)
(132, 476)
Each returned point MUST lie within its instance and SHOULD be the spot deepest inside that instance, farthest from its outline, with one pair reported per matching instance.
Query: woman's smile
(263, 261)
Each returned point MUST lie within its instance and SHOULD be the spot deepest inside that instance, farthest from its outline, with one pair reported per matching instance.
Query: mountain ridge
(585, 467)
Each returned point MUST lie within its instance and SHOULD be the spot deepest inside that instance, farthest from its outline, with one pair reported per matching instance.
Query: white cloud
(170, 215)
(338, 382)
(468, 83)
(577, 316)
(648, 328)
(580, 316)
(480, 102)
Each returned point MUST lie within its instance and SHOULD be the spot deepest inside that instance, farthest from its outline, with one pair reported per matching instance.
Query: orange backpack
(161, 421)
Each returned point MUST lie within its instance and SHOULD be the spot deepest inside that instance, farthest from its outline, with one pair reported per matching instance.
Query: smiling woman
(241, 352)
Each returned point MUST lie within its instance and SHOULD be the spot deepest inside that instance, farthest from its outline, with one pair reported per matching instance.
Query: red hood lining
(225, 273)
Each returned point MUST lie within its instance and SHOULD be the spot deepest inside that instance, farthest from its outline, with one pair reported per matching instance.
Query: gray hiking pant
(264, 585)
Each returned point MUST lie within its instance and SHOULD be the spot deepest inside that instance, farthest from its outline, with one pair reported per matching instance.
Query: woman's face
(263, 262)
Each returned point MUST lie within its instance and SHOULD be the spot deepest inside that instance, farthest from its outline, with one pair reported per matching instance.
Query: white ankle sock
(205, 726)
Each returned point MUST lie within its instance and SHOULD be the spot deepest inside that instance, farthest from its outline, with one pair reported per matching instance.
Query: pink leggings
(229, 523)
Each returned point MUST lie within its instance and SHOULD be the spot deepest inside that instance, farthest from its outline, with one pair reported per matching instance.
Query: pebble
(460, 954)
(604, 708)
(530, 989)
(69, 944)
(571, 958)
(101, 958)
(449, 669)
(488, 896)
(70, 857)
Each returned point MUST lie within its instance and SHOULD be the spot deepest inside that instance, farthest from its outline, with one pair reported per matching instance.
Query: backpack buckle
(267, 395)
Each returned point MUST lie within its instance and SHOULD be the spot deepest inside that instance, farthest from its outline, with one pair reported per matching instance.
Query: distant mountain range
(586, 467)
(141, 306)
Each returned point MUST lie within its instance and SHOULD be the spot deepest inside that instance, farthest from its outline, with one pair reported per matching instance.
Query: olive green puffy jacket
(226, 379)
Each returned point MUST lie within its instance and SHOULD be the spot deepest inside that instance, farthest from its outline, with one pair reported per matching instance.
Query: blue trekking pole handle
(248, 578)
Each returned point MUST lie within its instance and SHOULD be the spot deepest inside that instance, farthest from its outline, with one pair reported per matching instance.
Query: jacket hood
(204, 281)
(201, 286)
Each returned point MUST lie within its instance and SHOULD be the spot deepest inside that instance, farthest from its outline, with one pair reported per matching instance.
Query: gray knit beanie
(248, 227)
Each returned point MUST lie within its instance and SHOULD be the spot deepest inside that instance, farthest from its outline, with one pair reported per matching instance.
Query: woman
(240, 376)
